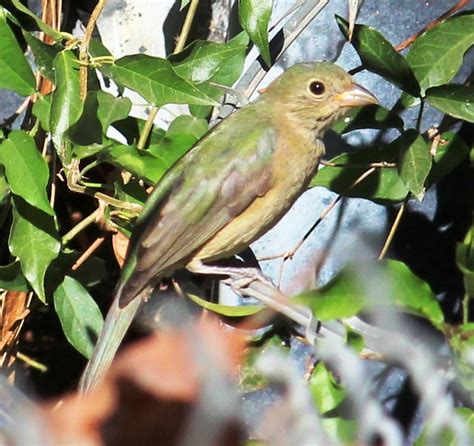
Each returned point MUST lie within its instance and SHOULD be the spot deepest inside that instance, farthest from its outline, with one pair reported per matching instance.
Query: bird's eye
(317, 88)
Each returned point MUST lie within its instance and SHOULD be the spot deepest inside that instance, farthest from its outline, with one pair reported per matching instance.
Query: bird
(230, 188)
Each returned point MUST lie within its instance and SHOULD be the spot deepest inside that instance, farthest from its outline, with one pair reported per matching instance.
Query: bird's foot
(239, 278)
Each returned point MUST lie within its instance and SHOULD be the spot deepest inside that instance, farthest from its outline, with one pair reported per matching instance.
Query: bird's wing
(219, 178)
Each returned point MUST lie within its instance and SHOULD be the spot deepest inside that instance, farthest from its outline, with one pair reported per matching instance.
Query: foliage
(116, 171)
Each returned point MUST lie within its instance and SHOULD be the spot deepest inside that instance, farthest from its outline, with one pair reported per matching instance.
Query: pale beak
(356, 96)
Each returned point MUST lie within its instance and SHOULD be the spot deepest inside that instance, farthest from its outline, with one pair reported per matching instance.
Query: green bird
(229, 189)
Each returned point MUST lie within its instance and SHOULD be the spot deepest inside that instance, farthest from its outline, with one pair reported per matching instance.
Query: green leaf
(454, 100)
(34, 240)
(341, 430)
(415, 164)
(342, 297)
(379, 56)
(226, 75)
(15, 72)
(448, 437)
(382, 185)
(327, 393)
(345, 295)
(171, 148)
(465, 261)
(40, 25)
(26, 170)
(369, 117)
(141, 163)
(437, 55)
(80, 316)
(42, 110)
(66, 105)
(155, 80)
(226, 310)
(254, 16)
(100, 110)
(11, 277)
(111, 108)
(449, 154)
(44, 55)
(205, 59)
(184, 3)
(188, 125)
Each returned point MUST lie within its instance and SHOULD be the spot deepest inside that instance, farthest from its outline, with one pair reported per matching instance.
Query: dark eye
(317, 88)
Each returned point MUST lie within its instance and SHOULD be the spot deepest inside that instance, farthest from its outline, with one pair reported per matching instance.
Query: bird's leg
(238, 277)
(252, 282)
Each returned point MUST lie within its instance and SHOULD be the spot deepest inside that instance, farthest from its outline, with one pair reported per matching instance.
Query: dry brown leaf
(120, 245)
(151, 391)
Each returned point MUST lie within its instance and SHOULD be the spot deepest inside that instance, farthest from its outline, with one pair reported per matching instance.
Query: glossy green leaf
(26, 170)
(40, 25)
(15, 71)
(142, 164)
(345, 295)
(205, 59)
(42, 111)
(327, 393)
(454, 100)
(100, 110)
(171, 148)
(155, 79)
(111, 108)
(449, 153)
(437, 55)
(369, 117)
(188, 125)
(66, 105)
(11, 277)
(226, 75)
(379, 56)
(226, 310)
(44, 55)
(384, 184)
(34, 240)
(255, 18)
(415, 164)
(80, 316)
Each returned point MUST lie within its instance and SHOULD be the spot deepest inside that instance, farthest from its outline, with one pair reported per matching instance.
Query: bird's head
(316, 94)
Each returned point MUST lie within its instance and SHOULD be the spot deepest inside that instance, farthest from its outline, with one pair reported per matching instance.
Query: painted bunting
(229, 189)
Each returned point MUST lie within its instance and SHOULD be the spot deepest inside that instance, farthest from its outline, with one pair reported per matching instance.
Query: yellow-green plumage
(230, 188)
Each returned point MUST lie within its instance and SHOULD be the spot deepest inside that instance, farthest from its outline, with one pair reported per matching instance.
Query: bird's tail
(115, 326)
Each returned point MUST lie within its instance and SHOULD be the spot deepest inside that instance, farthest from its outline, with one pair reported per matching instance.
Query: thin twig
(183, 36)
(393, 230)
(81, 226)
(88, 252)
(31, 362)
(84, 48)
(460, 4)
(380, 165)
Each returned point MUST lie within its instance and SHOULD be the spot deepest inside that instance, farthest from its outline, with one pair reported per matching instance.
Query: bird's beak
(356, 96)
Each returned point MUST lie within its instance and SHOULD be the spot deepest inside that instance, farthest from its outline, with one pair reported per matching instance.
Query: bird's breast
(294, 164)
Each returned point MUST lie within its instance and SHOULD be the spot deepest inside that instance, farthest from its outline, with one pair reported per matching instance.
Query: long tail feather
(115, 326)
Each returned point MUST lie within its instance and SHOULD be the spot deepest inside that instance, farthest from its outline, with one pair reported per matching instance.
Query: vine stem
(183, 37)
(84, 48)
(80, 226)
(393, 230)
